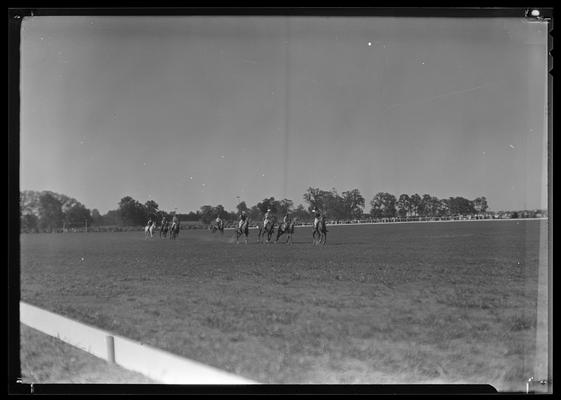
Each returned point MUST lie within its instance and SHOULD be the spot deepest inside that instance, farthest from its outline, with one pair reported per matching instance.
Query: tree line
(48, 211)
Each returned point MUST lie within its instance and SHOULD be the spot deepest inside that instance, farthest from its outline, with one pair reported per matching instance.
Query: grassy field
(398, 303)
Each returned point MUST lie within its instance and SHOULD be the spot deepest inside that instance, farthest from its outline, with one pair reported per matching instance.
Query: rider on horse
(317, 216)
(174, 221)
(219, 224)
(286, 220)
(164, 223)
(243, 219)
(267, 216)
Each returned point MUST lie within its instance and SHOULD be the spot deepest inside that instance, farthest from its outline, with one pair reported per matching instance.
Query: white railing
(154, 363)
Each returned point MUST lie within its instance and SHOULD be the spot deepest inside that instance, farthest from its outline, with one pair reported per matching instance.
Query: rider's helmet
(268, 209)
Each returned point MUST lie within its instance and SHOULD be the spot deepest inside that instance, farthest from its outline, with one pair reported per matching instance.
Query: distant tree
(161, 214)
(377, 205)
(480, 205)
(112, 217)
(219, 211)
(207, 214)
(50, 212)
(191, 216)
(232, 216)
(151, 208)
(461, 206)
(353, 203)
(334, 205)
(271, 203)
(132, 212)
(383, 205)
(434, 206)
(403, 205)
(414, 204)
(514, 214)
(328, 202)
(242, 207)
(316, 198)
(285, 205)
(29, 223)
(443, 208)
(301, 213)
(254, 213)
(424, 205)
(29, 202)
(77, 216)
(97, 219)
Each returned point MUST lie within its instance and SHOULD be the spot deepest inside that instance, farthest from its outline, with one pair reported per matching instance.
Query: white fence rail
(154, 363)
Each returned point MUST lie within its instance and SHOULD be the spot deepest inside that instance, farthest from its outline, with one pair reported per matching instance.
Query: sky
(208, 110)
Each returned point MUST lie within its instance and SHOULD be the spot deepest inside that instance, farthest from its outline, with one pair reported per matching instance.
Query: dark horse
(164, 229)
(268, 229)
(218, 227)
(174, 231)
(288, 229)
(319, 234)
(243, 230)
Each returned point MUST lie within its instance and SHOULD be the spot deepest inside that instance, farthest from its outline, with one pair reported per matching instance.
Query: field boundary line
(418, 222)
(154, 363)
(427, 222)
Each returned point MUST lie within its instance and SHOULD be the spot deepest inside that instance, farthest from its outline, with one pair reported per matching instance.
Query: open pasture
(398, 303)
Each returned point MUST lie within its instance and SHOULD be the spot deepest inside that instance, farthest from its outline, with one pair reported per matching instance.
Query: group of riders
(269, 221)
(287, 226)
(166, 227)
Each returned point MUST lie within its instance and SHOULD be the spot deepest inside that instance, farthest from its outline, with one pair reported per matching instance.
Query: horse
(242, 230)
(164, 230)
(288, 229)
(268, 229)
(149, 230)
(218, 227)
(319, 234)
(174, 230)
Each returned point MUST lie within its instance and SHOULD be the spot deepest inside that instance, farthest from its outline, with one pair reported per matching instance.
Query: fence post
(110, 349)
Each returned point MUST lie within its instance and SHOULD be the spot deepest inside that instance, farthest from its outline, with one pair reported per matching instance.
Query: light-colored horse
(319, 234)
(149, 230)
(268, 228)
(242, 230)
